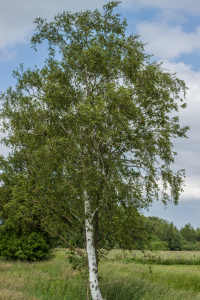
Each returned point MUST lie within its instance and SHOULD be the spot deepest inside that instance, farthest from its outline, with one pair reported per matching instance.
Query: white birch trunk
(93, 271)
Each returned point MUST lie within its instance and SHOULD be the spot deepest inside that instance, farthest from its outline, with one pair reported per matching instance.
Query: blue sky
(172, 30)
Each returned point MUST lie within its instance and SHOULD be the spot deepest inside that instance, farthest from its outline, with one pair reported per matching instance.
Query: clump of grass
(177, 277)
(135, 289)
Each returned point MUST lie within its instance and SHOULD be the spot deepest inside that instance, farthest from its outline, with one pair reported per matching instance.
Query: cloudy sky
(172, 30)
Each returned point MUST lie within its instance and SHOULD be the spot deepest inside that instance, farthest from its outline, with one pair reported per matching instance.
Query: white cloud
(6, 54)
(16, 22)
(188, 149)
(16, 17)
(192, 6)
(191, 78)
(191, 189)
(167, 42)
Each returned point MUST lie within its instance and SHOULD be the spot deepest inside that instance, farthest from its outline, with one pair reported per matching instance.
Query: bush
(156, 244)
(176, 242)
(187, 246)
(31, 247)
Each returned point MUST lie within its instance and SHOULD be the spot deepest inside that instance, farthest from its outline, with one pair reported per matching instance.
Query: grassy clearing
(187, 255)
(157, 257)
(181, 278)
(54, 280)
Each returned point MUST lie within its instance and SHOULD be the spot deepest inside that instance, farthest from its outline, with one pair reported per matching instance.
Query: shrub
(158, 245)
(31, 247)
(176, 242)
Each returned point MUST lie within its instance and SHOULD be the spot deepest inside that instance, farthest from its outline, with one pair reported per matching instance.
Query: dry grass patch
(69, 273)
(8, 294)
(4, 266)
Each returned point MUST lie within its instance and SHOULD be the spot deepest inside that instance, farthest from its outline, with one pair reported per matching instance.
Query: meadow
(120, 279)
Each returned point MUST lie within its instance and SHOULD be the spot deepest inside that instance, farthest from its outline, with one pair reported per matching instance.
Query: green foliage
(102, 253)
(20, 239)
(176, 242)
(159, 228)
(81, 135)
(126, 220)
(54, 113)
(157, 244)
(188, 233)
(187, 246)
(165, 236)
(75, 260)
(30, 247)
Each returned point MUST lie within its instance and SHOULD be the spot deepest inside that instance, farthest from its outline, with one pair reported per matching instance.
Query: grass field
(162, 254)
(55, 280)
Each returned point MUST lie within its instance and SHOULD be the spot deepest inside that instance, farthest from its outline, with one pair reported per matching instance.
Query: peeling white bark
(93, 271)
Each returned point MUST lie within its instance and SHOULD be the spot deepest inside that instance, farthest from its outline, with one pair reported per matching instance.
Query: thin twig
(75, 215)
(94, 212)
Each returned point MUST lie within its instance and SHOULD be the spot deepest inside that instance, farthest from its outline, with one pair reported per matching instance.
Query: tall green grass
(55, 280)
(133, 288)
(113, 286)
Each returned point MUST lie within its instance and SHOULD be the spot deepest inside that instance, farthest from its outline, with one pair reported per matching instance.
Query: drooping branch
(77, 250)
(75, 215)
(47, 206)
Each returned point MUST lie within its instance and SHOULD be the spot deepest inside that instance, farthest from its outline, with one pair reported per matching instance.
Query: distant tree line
(154, 233)
(164, 235)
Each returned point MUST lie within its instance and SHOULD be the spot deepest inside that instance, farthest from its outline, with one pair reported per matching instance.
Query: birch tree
(94, 127)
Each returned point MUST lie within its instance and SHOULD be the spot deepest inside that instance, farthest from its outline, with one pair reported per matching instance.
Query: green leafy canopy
(99, 118)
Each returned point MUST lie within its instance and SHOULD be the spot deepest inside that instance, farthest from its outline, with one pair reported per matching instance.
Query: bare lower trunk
(93, 270)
